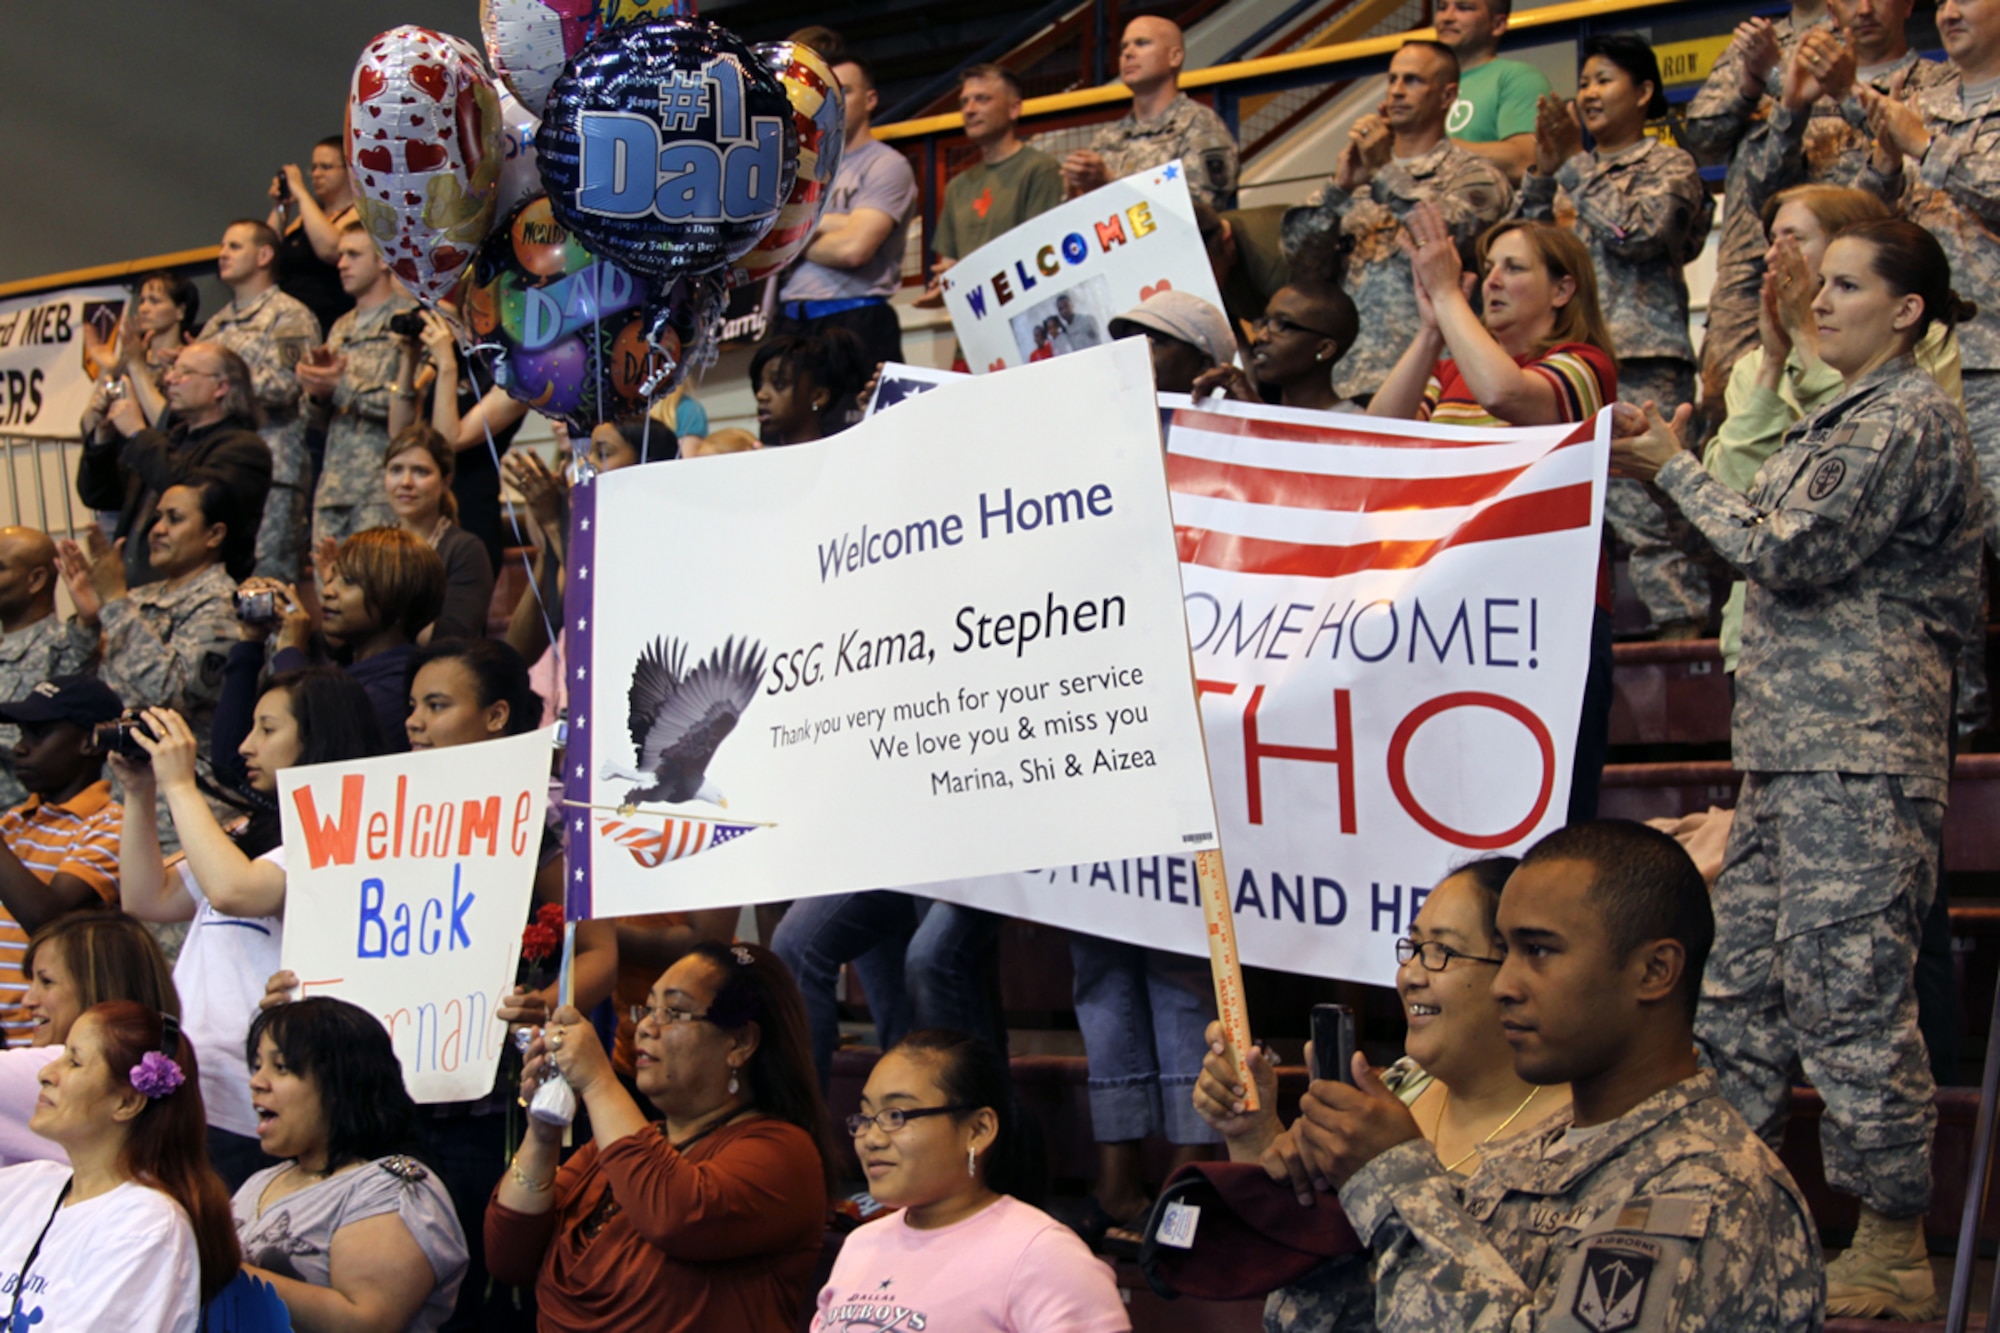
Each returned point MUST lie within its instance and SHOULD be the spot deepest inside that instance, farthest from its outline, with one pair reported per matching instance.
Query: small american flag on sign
(654, 844)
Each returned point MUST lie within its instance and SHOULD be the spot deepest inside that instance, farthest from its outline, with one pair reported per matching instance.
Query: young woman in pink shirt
(941, 1140)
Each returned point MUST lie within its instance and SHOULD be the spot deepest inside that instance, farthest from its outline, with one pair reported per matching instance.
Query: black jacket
(131, 475)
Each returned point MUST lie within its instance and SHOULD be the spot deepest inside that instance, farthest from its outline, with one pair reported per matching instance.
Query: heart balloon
(559, 329)
(668, 147)
(529, 41)
(423, 145)
(818, 115)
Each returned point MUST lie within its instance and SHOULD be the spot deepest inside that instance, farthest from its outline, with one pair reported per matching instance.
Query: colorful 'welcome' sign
(408, 879)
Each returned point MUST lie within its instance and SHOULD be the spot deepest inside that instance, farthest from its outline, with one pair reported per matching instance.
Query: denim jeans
(1144, 1014)
(922, 963)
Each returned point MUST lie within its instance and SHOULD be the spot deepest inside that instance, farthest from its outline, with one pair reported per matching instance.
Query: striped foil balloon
(817, 111)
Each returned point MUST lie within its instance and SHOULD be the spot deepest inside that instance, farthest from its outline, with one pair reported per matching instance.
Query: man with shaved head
(1164, 124)
(33, 647)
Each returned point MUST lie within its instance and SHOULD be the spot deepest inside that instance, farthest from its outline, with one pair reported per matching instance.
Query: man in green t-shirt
(1495, 112)
(1009, 184)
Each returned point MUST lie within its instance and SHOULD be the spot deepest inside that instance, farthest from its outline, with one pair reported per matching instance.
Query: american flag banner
(1390, 626)
(657, 840)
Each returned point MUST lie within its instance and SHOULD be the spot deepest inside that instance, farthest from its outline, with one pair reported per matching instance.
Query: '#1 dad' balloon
(668, 147)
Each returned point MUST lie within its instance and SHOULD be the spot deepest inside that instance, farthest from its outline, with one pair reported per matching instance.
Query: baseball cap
(84, 700)
(1187, 318)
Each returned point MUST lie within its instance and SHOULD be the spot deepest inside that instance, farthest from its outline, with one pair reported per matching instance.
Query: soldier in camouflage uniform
(1164, 124)
(1860, 540)
(270, 331)
(1394, 161)
(1649, 1205)
(1640, 208)
(1727, 109)
(350, 392)
(1937, 159)
(34, 643)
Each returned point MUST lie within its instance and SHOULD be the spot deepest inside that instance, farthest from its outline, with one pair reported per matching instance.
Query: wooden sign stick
(1225, 968)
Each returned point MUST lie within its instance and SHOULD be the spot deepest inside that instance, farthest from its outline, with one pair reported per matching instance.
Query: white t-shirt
(124, 1260)
(1009, 1268)
(221, 974)
(20, 1084)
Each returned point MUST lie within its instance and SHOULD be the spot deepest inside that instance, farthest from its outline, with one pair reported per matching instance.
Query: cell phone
(1333, 1043)
(284, 188)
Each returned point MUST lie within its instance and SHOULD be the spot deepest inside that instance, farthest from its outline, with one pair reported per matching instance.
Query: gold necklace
(1438, 1128)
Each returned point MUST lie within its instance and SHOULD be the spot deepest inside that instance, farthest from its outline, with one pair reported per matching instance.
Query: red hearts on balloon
(431, 79)
(367, 86)
(375, 159)
(421, 156)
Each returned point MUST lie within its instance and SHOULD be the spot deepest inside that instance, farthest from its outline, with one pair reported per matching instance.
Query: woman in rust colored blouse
(711, 1219)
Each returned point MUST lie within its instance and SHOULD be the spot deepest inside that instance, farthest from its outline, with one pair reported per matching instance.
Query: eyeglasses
(892, 1118)
(1436, 954)
(177, 372)
(666, 1015)
(1278, 324)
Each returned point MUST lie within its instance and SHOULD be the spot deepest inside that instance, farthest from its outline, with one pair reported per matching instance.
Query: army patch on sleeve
(1611, 1287)
(1826, 479)
(1215, 165)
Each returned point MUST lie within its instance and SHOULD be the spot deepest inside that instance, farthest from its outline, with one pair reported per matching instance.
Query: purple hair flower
(157, 1075)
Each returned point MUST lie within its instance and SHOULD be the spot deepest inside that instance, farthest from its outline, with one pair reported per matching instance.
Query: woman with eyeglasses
(1456, 1076)
(708, 1219)
(1307, 327)
(941, 1139)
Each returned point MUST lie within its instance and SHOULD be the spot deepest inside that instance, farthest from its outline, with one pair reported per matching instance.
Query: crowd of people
(301, 526)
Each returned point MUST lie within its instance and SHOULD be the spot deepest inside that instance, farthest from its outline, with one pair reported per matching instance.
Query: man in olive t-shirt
(1008, 185)
(1495, 112)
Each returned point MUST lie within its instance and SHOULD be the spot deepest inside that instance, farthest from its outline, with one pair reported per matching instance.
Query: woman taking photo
(352, 1231)
(1456, 1076)
(1640, 208)
(133, 1233)
(75, 962)
(311, 241)
(417, 473)
(708, 1219)
(230, 885)
(1861, 546)
(941, 1139)
(1539, 353)
(379, 589)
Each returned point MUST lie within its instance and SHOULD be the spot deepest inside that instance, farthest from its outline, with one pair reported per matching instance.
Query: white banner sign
(407, 884)
(948, 641)
(45, 375)
(1391, 626)
(1054, 284)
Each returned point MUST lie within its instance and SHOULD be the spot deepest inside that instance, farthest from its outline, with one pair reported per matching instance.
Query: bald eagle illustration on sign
(679, 718)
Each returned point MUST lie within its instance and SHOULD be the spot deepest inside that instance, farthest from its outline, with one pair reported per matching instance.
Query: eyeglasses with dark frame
(893, 1118)
(1280, 324)
(1436, 954)
(665, 1016)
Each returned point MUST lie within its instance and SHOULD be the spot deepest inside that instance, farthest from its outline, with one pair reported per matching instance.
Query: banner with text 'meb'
(407, 884)
(1391, 628)
(864, 662)
(45, 370)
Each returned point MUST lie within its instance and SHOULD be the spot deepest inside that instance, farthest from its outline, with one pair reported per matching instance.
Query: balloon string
(534, 587)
